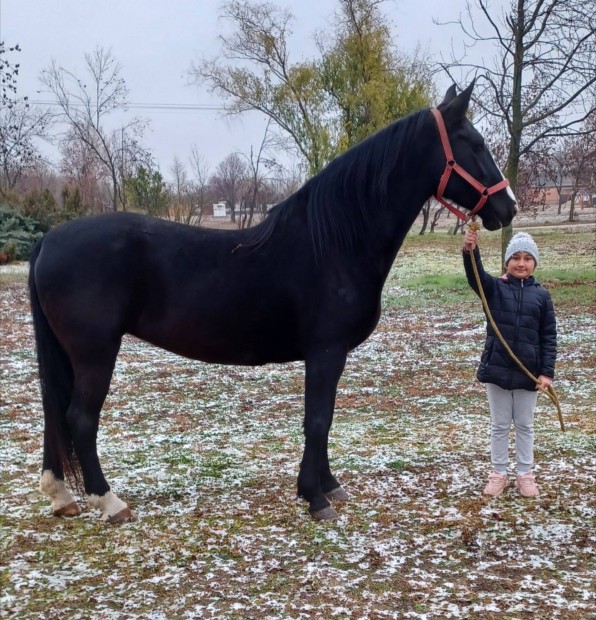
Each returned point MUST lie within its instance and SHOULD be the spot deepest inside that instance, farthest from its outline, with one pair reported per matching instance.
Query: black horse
(305, 284)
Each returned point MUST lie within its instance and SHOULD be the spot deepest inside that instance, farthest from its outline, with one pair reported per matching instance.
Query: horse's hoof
(124, 516)
(337, 495)
(324, 514)
(70, 510)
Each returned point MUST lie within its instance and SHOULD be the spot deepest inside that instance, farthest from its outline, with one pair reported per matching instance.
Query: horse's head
(464, 169)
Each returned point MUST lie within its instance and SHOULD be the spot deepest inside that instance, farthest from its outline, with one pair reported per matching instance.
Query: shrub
(41, 207)
(72, 203)
(18, 234)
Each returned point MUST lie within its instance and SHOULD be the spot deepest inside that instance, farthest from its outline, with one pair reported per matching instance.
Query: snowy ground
(208, 456)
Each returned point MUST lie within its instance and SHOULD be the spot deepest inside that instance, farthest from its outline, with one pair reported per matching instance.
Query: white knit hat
(521, 242)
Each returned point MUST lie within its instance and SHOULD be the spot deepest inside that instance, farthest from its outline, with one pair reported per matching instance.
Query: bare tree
(436, 215)
(425, 215)
(228, 178)
(41, 175)
(80, 166)
(126, 143)
(581, 165)
(20, 125)
(256, 187)
(290, 180)
(556, 171)
(86, 108)
(541, 83)
(178, 205)
(198, 187)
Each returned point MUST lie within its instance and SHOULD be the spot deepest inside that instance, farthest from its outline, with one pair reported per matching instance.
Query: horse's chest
(347, 314)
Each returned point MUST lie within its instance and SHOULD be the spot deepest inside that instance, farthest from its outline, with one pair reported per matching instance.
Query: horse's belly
(216, 345)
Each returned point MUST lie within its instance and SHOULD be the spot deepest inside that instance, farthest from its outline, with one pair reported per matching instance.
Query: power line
(200, 107)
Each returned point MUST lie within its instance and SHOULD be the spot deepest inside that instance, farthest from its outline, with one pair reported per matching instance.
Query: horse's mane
(339, 199)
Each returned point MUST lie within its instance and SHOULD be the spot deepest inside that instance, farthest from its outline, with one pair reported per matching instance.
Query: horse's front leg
(323, 370)
(332, 489)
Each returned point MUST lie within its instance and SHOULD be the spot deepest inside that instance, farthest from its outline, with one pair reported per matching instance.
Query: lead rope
(549, 391)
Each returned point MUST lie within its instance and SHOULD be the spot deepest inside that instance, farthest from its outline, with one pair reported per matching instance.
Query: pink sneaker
(497, 483)
(526, 485)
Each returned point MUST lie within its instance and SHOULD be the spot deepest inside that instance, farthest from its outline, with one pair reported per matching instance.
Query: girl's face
(521, 265)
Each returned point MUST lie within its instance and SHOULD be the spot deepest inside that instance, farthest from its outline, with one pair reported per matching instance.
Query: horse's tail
(56, 381)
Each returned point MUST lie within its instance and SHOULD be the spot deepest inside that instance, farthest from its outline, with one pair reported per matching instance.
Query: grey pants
(507, 406)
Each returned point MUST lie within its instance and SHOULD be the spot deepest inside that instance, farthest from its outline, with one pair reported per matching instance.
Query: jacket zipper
(517, 317)
(519, 305)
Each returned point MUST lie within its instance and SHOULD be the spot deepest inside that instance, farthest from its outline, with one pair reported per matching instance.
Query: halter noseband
(453, 166)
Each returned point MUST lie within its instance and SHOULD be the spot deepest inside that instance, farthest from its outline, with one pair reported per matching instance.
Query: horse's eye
(478, 147)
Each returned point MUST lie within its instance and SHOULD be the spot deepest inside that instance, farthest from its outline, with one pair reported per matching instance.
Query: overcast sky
(155, 42)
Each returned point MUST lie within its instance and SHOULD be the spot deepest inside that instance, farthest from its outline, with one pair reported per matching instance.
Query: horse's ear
(455, 109)
(449, 95)
(466, 95)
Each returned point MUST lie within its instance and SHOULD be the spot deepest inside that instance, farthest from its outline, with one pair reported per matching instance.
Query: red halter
(452, 166)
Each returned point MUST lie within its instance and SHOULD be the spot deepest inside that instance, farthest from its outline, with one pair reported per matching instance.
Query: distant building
(583, 198)
(219, 209)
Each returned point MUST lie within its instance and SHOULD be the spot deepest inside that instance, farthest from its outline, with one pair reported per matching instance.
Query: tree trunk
(516, 116)
(459, 227)
(425, 217)
(114, 192)
(435, 219)
(572, 206)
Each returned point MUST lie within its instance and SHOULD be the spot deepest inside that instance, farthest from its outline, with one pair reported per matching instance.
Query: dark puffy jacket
(524, 313)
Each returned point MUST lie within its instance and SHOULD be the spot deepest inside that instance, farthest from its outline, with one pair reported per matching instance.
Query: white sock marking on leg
(109, 504)
(56, 489)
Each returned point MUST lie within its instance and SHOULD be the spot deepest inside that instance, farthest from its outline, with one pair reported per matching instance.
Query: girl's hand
(543, 382)
(470, 240)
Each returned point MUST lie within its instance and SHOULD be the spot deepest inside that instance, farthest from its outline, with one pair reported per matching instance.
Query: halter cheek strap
(452, 166)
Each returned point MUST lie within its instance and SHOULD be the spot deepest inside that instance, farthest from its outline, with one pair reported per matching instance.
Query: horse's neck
(343, 211)
(405, 191)
(390, 227)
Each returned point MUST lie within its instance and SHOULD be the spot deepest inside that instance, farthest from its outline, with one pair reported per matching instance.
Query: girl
(523, 311)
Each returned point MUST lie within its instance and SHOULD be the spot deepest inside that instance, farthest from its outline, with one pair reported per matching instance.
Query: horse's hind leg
(52, 476)
(52, 484)
(91, 383)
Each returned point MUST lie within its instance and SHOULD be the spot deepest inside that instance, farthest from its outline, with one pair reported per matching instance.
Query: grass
(571, 286)
(419, 280)
(208, 457)
(13, 274)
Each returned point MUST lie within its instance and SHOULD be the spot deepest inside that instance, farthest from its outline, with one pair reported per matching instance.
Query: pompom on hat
(522, 242)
